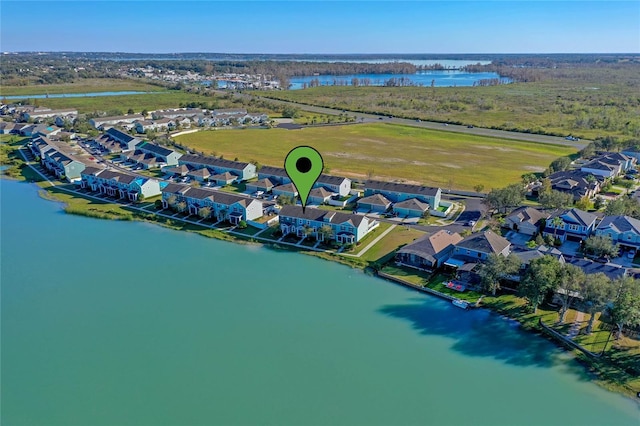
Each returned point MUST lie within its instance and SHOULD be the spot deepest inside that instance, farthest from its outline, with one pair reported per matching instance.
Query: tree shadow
(481, 333)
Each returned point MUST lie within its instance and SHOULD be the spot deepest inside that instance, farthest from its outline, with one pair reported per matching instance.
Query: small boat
(460, 303)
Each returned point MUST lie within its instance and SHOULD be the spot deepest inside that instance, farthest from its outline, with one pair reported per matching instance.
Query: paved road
(377, 118)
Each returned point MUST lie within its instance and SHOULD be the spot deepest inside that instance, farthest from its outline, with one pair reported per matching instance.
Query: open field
(82, 86)
(588, 102)
(390, 152)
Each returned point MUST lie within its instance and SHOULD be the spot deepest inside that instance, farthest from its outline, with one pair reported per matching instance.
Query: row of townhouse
(217, 166)
(38, 114)
(345, 228)
(221, 205)
(54, 159)
(125, 121)
(116, 141)
(278, 177)
(117, 184)
(150, 155)
(403, 199)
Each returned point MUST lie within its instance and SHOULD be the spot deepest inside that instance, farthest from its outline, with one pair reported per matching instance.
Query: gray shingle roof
(486, 242)
(205, 160)
(429, 246)
(320, 215)
(375, 199)
(620, 224)
(412, 204)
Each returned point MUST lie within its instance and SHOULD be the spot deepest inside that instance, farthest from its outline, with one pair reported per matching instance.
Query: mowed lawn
(87, 85)
(389, 152)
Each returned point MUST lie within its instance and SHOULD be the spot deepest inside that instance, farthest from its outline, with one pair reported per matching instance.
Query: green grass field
(151, 101)
(390, 152)
(82, 86)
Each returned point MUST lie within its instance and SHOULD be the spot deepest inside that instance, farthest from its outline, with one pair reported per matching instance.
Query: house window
(574, 227)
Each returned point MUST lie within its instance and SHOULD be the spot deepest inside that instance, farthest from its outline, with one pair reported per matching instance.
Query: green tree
(478, 188)
(625, 310)
(540, 278)
(242, 224)
(596, 291)
(555, 199)
(583, 203)
(325, 233)
(571, 281)
(285, 200)
(601, 245)
(502, 199)
(204, 212)
(496, 268)
(181, 206)
(172, 200)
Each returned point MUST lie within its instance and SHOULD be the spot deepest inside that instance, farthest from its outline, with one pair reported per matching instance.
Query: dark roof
(119, 135)
(401, 187)
(273, 171)
(590, 267)
(577, 216)
(327, 216)
(175, 188)
(205, 160)
(287, 187)
(486, 242)
(155, 149)
(118, 176)
(262, 183)
(620, 224)
(203, 172)
(331, 180)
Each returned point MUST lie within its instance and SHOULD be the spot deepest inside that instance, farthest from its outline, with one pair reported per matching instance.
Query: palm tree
(556, 222)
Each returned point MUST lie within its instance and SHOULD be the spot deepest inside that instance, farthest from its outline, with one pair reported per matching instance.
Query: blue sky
(321, 27)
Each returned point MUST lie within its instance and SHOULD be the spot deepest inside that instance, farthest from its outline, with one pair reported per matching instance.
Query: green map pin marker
(304, 166)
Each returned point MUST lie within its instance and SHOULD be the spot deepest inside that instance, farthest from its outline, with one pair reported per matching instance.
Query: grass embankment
(88, 85)
(615, 369)
(391, 152)
(588, 102)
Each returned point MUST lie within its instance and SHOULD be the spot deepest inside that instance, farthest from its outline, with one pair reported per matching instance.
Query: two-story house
(345, 228)
(525, 220)
(572, 225)
(336, 184)
(221, 205)
(118, 184)
(623, 230)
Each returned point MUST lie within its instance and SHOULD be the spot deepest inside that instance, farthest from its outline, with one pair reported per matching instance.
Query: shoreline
(47, 193)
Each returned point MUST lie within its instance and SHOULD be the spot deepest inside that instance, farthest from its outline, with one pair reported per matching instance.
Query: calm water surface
(423, 78)
(124, 323)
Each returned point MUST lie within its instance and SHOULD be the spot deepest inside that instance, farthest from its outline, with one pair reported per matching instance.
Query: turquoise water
(80, 95)
(126, 323)
(423, 78)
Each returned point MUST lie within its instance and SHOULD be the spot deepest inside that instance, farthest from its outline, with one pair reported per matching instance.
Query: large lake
(422, 78)
(127, 323)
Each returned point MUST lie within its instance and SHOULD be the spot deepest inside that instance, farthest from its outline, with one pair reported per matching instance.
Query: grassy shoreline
(607, 374)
